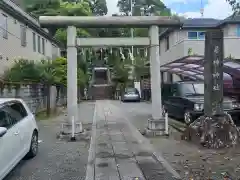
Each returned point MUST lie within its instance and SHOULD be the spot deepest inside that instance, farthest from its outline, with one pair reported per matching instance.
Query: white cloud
(218, 9)
(112, 7)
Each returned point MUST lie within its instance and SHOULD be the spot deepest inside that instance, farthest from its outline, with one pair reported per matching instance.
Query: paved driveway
(138, 113)
(57, 160)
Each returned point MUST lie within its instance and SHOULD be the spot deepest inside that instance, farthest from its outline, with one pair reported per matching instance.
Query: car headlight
(198, 107)
(235, 105)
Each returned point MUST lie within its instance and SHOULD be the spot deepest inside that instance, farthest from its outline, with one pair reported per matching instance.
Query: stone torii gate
(151, 22)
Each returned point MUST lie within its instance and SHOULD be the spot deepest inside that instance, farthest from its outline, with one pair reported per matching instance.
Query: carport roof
(193, 67)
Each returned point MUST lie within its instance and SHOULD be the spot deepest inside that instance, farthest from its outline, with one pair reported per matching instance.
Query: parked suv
(185, 100)
(18, 134)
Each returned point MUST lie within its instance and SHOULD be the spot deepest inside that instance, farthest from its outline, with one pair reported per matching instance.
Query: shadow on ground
(192, 161)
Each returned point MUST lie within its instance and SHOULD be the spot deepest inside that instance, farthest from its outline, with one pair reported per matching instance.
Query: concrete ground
(57, 159)
(189, 160)
(118, 150)
(128, 153)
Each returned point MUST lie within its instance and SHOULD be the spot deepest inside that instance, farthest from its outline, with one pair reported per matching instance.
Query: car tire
(33, 146)
(187, 117)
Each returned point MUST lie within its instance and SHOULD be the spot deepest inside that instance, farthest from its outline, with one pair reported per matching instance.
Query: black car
(185, 100)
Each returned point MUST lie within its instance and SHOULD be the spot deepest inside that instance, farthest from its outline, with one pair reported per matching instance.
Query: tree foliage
(235, 6)
(57, 68)
(143, 7)
(47, 72)
(140, 69)
(99, 7)
(120, 71)
(59, 7)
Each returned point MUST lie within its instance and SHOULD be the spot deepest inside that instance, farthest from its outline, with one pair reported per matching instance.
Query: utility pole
(201, 9)
(131, 11)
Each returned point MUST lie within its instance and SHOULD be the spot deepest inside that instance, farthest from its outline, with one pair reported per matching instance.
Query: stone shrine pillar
(215, 129)
(213, 73)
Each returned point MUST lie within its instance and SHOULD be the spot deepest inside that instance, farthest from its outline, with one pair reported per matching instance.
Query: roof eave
(169, 30)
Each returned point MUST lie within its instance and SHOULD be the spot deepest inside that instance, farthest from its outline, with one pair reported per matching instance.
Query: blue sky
(182, 7)
(190, 8)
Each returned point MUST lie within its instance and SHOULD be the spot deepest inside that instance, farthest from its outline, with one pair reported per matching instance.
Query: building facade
(22, 37)
(190, 39)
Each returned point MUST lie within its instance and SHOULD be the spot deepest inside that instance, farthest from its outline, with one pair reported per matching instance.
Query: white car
(18, 134)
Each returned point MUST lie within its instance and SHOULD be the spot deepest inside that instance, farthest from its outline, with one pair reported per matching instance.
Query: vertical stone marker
(213, 72)
(215, 129)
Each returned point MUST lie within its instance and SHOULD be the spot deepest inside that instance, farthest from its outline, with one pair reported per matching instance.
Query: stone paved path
(117, 151)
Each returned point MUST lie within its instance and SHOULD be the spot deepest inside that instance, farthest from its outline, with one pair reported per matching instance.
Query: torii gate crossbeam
(151, 22)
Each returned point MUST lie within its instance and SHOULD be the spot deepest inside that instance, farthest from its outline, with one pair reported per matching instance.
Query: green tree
(49, 72)
(140, 69)
(99, 7)
(143, 7)
(23, 71)
(120, 72)
(56, 7)
(235, 6)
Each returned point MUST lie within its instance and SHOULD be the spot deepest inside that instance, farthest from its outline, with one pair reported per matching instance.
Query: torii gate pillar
(151, 22)
(72, 95)
(155, 73)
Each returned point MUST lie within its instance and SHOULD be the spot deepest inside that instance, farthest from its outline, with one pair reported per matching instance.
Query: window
(39, 44)
(5, 26)
(43, 46)
(23, 35)
(15, 112)
(201, 35)
(174, 90)
(167, 43)
(192, 88)
(18, 111)
(11, 114)
(34, 42)
(196, 35)
(192, 35)
(238, 30)
(4, 119)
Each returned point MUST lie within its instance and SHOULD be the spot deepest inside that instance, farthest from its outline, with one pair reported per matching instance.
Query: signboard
(137, 85)
(213, 72)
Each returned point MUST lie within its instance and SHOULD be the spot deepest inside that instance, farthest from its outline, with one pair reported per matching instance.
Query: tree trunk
(48, 112)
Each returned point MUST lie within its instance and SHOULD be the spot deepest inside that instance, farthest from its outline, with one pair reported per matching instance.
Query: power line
(202, 9)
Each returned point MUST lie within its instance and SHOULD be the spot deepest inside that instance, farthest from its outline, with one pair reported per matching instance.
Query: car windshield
(130, 91)
(193, 89)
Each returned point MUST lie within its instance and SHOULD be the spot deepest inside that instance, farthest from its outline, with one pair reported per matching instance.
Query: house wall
(179, 45)
(175, 51)
(231, 41)
(11, 48)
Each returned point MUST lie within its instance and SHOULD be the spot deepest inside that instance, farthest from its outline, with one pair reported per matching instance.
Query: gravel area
(57, 159)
